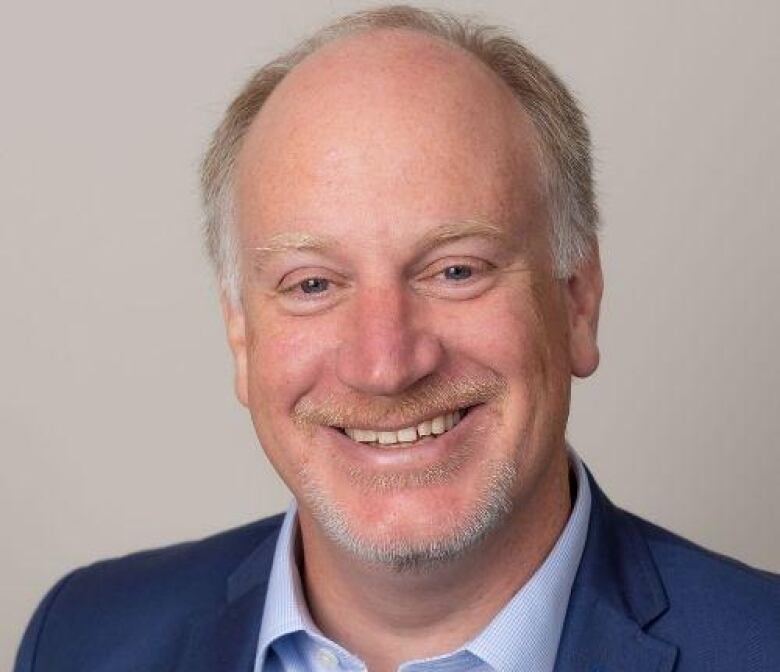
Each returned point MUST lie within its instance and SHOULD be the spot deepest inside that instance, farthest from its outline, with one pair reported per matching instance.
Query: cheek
(285, 357)
(520, 335)
(502, 333)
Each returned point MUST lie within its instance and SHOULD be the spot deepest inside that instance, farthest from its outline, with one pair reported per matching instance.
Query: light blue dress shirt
(524, 635)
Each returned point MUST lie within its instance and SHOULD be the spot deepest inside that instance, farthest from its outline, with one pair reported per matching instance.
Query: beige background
(118, 426)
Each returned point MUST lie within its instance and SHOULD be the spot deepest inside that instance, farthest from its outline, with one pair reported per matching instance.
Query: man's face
(402, 345)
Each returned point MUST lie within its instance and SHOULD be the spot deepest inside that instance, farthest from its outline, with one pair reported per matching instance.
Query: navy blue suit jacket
(644, 600)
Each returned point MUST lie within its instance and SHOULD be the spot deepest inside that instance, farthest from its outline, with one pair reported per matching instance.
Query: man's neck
(386, 616)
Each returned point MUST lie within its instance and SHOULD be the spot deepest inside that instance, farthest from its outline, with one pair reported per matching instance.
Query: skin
(374, 143)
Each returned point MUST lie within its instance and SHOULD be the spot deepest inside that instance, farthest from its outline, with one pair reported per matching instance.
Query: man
(402, 218)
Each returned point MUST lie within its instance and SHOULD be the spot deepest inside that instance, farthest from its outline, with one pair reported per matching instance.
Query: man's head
(401, 214)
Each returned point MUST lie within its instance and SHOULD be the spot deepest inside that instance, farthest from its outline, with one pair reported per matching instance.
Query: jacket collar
(225, 640)
(617, 593)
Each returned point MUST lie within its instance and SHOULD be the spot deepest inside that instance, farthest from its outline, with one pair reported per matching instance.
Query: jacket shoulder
(139, 603)
(726, 613)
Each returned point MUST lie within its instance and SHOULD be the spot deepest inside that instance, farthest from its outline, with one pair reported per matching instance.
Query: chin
(415, 526)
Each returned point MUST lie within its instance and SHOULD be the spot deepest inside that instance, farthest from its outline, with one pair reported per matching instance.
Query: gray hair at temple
(563, 138)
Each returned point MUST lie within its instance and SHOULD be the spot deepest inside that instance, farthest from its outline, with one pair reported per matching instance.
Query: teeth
(386, 438)
(438, 425)
(363, 435)
(407, 435)
(424, 428)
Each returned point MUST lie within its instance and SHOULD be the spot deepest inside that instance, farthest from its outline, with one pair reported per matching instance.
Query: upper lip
(394, 427)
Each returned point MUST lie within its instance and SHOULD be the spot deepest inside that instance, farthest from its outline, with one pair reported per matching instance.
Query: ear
(235, 326)
(583, 299)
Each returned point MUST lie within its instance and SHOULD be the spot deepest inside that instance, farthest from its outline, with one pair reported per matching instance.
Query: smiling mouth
(400, 438)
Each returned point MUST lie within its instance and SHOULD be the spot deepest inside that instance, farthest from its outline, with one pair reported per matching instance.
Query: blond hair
(562, 134)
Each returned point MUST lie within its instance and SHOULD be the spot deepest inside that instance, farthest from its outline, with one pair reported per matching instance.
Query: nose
(386, 346)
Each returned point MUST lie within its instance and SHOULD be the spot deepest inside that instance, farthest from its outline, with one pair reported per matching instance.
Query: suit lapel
(616, 595)
(596, 638)
(226, 641)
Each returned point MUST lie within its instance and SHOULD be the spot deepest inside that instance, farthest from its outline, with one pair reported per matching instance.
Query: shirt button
(327, 659)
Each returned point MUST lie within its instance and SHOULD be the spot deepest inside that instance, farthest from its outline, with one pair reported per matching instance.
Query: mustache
(428, 398)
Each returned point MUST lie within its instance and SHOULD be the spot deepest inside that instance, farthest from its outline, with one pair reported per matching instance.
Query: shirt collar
(524, 635)
(285, 610)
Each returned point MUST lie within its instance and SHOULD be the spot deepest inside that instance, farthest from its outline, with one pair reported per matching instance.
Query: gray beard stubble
(489, 511)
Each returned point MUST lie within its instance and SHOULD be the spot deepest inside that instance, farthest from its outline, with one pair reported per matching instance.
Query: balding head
(562, 137)
(392, 115)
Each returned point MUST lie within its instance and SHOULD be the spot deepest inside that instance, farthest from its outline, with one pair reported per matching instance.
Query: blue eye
(458, 272)
(314, 285)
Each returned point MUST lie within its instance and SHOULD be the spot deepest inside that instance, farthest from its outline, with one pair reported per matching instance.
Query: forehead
(386, 128)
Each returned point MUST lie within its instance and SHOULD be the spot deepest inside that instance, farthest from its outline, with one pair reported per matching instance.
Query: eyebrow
(291, 241)
(469, 228)
(300, 241)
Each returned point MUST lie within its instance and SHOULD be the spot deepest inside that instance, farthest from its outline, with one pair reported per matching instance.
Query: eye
(314, 285)
(458, 272)
(306, 285)
(457, 278)
(306, 291)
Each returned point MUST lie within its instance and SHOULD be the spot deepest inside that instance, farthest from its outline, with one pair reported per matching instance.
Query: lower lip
(422, 452)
